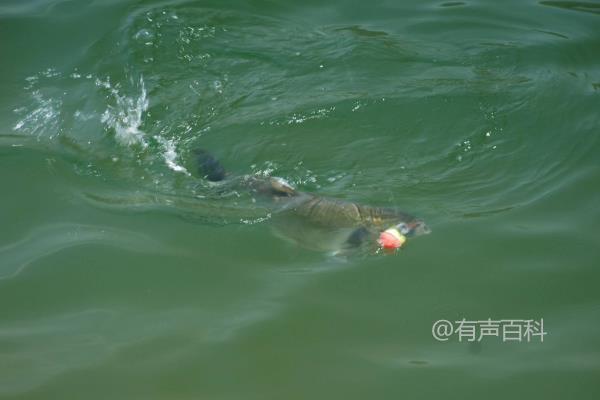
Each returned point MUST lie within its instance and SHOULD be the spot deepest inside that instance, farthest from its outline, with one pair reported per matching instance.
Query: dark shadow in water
(487, 212)
(453, 4)
(357, 30)
(553, 33)
(574, 6)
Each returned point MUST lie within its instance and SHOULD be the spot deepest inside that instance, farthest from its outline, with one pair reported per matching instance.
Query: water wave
(50, 239)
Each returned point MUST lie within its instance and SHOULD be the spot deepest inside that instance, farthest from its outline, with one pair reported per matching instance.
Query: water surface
(123, 274)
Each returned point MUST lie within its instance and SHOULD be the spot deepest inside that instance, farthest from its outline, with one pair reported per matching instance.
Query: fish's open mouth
(414, 228)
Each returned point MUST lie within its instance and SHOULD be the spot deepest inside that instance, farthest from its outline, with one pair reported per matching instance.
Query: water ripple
(46, 240)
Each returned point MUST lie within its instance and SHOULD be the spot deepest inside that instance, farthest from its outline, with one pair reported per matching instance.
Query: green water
(125, 275)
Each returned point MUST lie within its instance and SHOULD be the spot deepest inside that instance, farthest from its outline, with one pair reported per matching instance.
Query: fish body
(314, 221)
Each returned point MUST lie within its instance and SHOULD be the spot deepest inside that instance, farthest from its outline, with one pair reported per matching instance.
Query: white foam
(126, 116)
(43, 118)
(170, 154)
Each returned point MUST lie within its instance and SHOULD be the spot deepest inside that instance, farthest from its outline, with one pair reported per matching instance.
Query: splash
(44, 117)
(316, 114)
(126, 115)
(170, 154)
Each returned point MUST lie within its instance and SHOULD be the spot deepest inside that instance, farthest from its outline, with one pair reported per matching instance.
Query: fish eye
(403, 228)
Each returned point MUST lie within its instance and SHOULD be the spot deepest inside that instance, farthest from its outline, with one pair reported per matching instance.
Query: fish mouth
(413, 228)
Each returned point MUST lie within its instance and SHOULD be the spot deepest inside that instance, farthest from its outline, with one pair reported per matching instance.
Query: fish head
(412, 228)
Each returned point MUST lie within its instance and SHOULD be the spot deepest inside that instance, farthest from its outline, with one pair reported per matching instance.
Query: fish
(313, 221)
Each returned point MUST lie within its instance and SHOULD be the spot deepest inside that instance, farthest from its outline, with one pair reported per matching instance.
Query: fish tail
(208, 166)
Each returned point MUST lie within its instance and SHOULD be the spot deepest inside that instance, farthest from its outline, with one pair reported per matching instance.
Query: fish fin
(357, 237)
